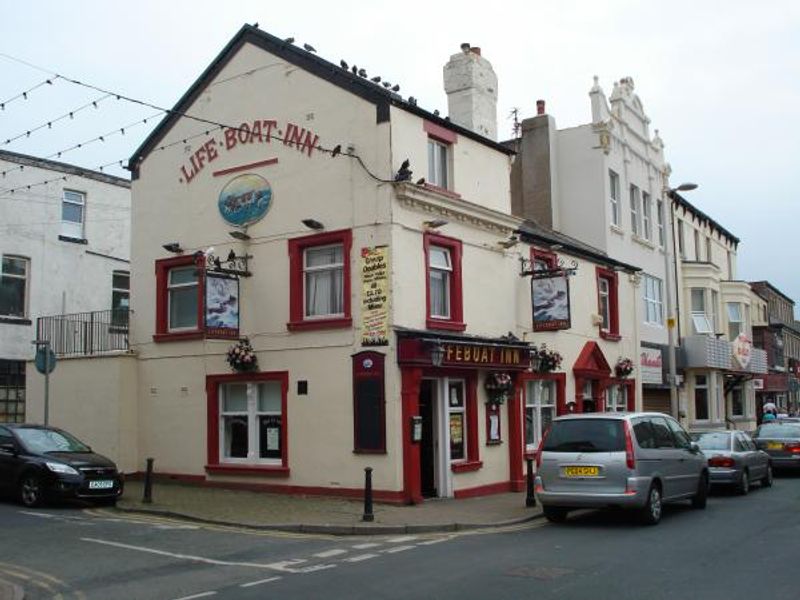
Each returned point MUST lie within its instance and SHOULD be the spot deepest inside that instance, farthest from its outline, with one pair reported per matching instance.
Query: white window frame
(175, 287)
(119, 290)
(253, 432)
(713, 311)
(652, 294)
(700, 319)
(647, 216)
(635, 202)
(735, 316)
(702, 386)
(438, 163)
(697, 245)
(536, 405)
(709, 251)
(616, 398)
(613, 182)
(25, 277)
(451, 409)
(312, 270)
(662, 237)
(681, 241)
(74, 229)
(447, 278)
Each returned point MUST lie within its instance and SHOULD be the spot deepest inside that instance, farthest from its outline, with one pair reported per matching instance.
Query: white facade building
(65, 248)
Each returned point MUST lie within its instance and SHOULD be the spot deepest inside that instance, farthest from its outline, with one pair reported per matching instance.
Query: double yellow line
(31, 578)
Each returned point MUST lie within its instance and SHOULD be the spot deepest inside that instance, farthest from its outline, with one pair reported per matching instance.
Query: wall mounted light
(313, 224)
(434, 223)
(437, 354)
(508, 243)
(239, 235)
(174, 247)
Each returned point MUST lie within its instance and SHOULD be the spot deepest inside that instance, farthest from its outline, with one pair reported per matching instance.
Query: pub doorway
(428, 443)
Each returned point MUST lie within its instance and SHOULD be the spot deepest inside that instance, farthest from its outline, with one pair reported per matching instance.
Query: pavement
(315, 514)
(11, 591)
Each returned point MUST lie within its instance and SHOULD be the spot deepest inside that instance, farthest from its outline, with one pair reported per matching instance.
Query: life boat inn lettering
(259, 131)
(483, 355)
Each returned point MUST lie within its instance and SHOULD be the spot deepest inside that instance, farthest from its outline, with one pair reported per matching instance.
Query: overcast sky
(719, 79)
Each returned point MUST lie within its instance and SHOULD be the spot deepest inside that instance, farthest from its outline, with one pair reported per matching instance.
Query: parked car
(734, 459)
(40, 463)
(629, 460)
(781, 440)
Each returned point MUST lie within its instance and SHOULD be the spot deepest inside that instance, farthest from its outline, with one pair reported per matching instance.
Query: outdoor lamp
(536, 362)
(437, 354)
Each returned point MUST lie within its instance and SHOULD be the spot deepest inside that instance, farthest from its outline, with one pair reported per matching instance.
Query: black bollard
(148, 483)
(530, 498)
(368, 516)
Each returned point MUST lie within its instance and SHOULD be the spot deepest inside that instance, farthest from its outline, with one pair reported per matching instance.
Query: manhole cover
(543, 573)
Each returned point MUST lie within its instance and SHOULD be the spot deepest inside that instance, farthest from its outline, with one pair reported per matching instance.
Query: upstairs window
(323, 272)
(73, 212)
(608, 303)
(681, 241)
(183, 298)
(635, 202)
(700, 320)
(647, 216)
(120, 297)
(709, 255)
(179, 292)
(14, 287)
(437, 164)
(613, 181)
(660, 220)
(440, 273)
(443, 284)
(697, 245)
(735, 323)
(653, 300)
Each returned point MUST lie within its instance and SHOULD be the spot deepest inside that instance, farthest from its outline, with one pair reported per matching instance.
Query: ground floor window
(251, 421)
(12, 391)
(737, 402)
(617, 398)
(700, 398)
(540, 409)
(457, 420)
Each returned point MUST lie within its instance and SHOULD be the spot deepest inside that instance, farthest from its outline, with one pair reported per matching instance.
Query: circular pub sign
(245, 200)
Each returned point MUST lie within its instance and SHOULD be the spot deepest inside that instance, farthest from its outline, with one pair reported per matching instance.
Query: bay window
(735, 323)
(700, 320)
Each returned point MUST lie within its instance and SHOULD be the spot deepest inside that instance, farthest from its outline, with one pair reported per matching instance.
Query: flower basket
(498, 387)
(548, 360)
(241, 356)
(624, 367)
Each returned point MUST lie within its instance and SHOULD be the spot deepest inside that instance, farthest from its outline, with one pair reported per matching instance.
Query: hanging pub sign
(375, 296)
(245, 199)
(222, 306)
(550, 299)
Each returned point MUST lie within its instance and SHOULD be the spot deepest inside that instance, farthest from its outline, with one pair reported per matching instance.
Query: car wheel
(743, 486)
(767, 480)
(700, 499)
(31, 491)
(650, 513)
(555, 514)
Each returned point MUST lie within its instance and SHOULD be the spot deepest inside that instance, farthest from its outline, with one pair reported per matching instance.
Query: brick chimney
(471, 87)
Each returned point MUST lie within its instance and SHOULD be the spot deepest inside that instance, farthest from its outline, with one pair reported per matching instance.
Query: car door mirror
(9, 447)
(694, 447)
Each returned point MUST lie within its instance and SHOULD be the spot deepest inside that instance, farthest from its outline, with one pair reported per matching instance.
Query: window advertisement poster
(651, 365)
(375, 296)
(222, 306)
(550, 297)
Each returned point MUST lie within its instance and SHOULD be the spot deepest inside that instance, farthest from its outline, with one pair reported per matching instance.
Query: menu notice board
(375, 296)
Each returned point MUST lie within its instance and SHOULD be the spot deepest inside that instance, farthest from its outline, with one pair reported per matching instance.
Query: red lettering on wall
(244, 133)
(230, 138)
(268, 126)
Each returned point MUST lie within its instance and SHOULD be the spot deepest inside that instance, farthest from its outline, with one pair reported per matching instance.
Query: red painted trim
(489, 410)
(162, 268)
(464, 467)
(456, 320)
(376, 372)
(612, 333)
(212, 417)
(263, 470)
(297, 319)
(261, 163)
(471, 406)
(439, 133)
(441, 190)
(409, 393)
(484, 490)
(591, 363)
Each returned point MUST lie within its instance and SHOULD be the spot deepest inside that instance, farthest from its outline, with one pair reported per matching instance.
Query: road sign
(45, 360)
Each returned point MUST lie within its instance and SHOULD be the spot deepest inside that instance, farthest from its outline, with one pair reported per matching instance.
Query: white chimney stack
(471, 87)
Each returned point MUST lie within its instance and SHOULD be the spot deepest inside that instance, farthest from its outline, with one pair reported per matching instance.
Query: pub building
(305, 307)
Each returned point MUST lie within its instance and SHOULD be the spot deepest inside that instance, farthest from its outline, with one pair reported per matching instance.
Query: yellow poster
(375, 296)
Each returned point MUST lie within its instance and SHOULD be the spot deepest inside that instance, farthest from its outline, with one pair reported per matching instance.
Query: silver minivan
(627, 460)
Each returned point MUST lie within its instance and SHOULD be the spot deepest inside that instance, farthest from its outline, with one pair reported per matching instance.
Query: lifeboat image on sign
(245, 200)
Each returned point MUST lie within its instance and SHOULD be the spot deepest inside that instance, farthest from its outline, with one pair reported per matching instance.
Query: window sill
(337, 323)
(16, 320)
(494, 442)
(643, 241)
(266, 470)
(446, 325)
(617, 229)
(443, 191)
(73, 240)
(365, 451)
(465, 467)
(179, 336)
(611, 337)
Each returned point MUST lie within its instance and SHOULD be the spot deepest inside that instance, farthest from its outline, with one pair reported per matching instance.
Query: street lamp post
(671, 320)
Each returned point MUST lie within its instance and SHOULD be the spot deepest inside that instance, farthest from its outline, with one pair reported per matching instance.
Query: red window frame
(297, 246)
(162, 269)
(212, 425)
(613, 304)
(456, 320)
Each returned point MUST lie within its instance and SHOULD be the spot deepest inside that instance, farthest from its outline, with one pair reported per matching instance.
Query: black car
(40, 463)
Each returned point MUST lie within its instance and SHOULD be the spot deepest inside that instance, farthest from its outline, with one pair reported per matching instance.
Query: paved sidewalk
(10, 591)
(325, 515)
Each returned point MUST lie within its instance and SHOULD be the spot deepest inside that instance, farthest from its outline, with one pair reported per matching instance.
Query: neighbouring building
(716, 315)
(65, 247)
(304, 306)
(779, 336)
(603, 183)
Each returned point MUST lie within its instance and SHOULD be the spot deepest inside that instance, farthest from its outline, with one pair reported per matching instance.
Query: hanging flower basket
(241, 356)
(545, 360)
(499, 387)
(624, 367)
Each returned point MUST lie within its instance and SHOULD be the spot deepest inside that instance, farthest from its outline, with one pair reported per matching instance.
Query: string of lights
(24, 95)
(49, 124)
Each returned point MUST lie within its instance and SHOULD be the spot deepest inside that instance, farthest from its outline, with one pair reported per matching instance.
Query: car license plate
(101, 484)
(581, 471)
(774, 446)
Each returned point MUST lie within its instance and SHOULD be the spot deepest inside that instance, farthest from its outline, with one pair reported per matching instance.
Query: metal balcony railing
(83, 334)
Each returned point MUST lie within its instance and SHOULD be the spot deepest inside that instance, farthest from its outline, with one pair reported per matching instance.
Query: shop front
(655, 390)
(461, 412)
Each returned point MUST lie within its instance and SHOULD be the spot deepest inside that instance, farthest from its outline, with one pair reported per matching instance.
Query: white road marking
(201, 595)
(329, 553)
(314, 568)
(400, 540)
(398, 549)
(360, 557)
(436, 541)
(259, 582)
(37, 514)
(285, 564)
(365, 546)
